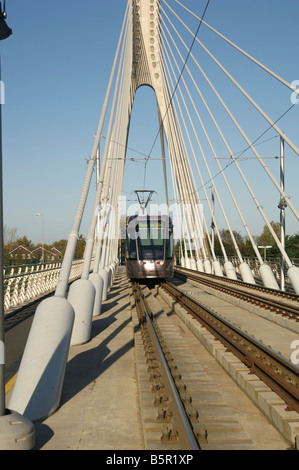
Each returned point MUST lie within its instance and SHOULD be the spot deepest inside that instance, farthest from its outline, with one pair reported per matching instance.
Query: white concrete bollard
(16, 432)
(217, 268)
(81, 296)
(109, 280)
(230, 270)
(293, 275)
(246, 273)
(207, 266)
(199, 265)
(268, 277)
(193, 264)
(104, 274)
(98, 283)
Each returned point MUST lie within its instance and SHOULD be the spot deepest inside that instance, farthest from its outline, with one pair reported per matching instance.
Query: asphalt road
(17, 329)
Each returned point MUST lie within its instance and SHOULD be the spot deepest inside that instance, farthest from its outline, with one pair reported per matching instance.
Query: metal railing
(254, 265)
(25, 283)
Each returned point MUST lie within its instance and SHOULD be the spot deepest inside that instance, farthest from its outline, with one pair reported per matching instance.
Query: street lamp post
(282, 206)
(265, 248)
(2, 348)
(212, 222)
(5, 32)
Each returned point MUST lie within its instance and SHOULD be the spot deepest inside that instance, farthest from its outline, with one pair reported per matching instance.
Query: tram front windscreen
(153, 237)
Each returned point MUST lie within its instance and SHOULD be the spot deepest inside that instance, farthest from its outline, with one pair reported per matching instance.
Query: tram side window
(169, 246)
(131, 248)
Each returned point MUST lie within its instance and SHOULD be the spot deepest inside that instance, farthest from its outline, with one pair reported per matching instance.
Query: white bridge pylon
(143, 57)
(148, 69)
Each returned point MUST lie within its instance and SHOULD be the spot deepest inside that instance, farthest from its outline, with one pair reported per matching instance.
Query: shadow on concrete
(85, 367)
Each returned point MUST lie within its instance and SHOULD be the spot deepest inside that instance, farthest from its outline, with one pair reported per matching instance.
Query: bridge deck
(99, 408)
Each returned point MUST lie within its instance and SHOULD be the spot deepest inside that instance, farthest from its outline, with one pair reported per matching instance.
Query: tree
(24, 242)
(247, 249)
(60, 245)
(228, 243)
(9, 238)
(292, 245)
(266, 239)
(20, 256)
(79, 252)
(9, 235)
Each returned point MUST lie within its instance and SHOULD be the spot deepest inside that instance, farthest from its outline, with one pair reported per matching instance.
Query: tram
(149, 247)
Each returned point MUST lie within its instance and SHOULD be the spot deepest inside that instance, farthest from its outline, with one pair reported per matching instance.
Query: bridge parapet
(25, 283)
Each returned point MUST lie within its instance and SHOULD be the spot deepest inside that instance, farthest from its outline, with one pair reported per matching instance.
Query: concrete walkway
(100, 408)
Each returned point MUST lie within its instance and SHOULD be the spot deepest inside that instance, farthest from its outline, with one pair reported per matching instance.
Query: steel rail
(175, 394)
(231, 336)
(258, 287)
(236, 288)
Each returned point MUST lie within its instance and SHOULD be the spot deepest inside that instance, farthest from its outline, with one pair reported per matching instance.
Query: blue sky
(56, 67)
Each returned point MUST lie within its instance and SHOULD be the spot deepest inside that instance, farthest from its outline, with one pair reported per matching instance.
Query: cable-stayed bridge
(216, 165)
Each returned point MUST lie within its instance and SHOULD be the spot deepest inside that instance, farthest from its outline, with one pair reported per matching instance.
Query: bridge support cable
(259, 109)
(250, 144)
(37, 390)
(102, 206)
(177, 156)
(68, 258)
(142, 58)
(230, 114)
(264, 269)
(161, 130)
(215, 263)
(184, 178)
(187, 213)
(117, 154)
(188, 207)
(262, 66)
(184, 237)
(227, 265)
(82, 293)
(106, 253)
(245, 271)
(156, 79)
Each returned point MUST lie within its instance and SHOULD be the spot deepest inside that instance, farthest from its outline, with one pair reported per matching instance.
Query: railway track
(276, 376)
(273, 369)
(200, 407)
(188, 411)
(173, 407)
(213, 420)
(282, 303)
